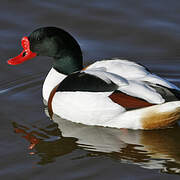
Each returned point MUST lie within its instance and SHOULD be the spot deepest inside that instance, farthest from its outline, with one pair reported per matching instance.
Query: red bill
(25, 55)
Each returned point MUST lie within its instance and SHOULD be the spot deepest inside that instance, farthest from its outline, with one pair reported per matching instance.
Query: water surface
(33, 146)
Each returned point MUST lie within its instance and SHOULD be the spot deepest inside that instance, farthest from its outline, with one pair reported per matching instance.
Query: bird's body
(113, 93)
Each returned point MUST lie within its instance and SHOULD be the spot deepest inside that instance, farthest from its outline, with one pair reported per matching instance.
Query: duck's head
(53, 42)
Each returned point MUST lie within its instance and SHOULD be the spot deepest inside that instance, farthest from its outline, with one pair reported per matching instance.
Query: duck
(114, 93)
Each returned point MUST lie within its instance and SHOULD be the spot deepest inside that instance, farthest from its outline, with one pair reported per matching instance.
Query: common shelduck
(112, 93)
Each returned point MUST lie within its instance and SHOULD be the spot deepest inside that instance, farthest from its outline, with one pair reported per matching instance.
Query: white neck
(52, 79)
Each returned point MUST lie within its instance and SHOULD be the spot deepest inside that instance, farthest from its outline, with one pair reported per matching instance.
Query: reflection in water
(48, 143)
(157, 149)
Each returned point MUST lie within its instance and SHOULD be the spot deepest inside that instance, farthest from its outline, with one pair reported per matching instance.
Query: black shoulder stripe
(81, 81)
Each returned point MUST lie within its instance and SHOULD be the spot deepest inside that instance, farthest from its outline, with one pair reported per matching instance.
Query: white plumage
(96, 108)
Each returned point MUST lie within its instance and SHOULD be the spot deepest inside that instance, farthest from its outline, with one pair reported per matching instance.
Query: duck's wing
(131, 71)
(133, 89)
(140, 82)
(138, 95)
(124, 68)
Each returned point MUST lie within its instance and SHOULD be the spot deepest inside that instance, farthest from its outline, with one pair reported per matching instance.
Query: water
(33, 146)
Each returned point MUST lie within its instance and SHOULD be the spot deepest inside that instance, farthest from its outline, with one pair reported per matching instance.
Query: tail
(153, 117)
(160, 116)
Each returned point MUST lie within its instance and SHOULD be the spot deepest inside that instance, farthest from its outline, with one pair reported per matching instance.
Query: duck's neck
(68, 64)
(61, 68)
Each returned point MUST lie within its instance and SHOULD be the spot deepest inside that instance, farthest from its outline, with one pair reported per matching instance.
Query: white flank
(97, 109)
(89, 108)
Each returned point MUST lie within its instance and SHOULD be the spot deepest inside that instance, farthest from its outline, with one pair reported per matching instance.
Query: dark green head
(53, 42)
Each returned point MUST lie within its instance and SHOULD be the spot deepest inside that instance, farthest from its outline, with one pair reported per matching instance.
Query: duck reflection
(158, 149)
